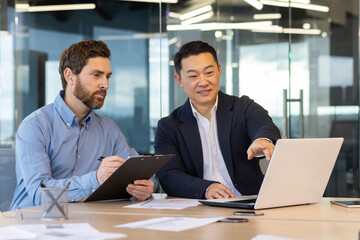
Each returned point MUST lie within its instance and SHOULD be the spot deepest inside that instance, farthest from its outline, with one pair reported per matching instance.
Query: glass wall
(31, 45)
(266, 47)
(263, 46)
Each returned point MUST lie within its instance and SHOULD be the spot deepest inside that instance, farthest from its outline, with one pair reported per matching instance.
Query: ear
(69, 76)
(219, 67)
(178, 80)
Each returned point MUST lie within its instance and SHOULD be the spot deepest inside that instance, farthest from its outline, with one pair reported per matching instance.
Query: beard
(86, 97)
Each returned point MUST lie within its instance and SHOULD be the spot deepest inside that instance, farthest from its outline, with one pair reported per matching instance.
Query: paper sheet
(11, 232)
(57, 232)
(269, 237)
(174, 224)
(176, 203)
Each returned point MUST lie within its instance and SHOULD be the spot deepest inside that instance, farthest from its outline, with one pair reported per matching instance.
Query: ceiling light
(306, 26)
(226, 37)
(219, 26)
(267, 16)
(244, 25)
(47, 8)
(133, 36)
(296, 1)
(255, 3)
(195, 12)
(24, 6)
(275, 3)
(152, 1)
(218, 34)
(172, 41)
(173, 15)
(269, 29)
(302, 31)
(313, 7)
(278, 29)
(234, 65)
(198, 18)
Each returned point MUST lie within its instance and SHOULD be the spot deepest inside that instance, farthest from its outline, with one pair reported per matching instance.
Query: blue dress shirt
(51, 147)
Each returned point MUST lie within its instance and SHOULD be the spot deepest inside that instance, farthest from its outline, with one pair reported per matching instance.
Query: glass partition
(264, 47)
(30, 48)
(308, 48)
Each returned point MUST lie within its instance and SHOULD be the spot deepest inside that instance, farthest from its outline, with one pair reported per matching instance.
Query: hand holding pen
(108, 166)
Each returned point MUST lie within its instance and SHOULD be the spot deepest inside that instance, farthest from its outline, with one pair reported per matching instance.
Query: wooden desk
(315, 221)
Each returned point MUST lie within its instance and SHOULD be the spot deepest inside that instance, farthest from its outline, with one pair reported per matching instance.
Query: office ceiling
(224, 11)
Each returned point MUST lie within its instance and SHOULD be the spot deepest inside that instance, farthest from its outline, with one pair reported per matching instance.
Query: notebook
(298, 173)
(134, 168)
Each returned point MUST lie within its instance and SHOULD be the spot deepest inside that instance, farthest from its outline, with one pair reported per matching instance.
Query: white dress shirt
(213, 161)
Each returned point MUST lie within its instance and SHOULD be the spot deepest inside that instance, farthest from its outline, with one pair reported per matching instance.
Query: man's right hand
(218, 190)
(108, 166)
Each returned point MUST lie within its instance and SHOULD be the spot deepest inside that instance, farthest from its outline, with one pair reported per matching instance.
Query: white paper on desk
(174, 224)
(67, 231)
(11, 232)
(176, 203)
(269, 237)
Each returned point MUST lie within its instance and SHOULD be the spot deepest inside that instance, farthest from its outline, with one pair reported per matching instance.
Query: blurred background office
(297, 58)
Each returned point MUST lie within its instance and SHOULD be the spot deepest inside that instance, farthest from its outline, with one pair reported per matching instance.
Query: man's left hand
(260, 146)
(141, 189)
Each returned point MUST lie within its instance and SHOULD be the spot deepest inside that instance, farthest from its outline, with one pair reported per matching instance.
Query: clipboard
(134, 168)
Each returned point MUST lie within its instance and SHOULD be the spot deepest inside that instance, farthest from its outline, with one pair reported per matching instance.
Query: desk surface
(315, 221)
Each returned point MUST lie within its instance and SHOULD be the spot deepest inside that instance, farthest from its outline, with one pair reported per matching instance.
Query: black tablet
(134, 168)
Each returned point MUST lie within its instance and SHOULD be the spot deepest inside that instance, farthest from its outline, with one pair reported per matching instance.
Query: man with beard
(61, 142)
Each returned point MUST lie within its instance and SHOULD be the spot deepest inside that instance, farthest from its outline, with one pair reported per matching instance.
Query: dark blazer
(240, 121)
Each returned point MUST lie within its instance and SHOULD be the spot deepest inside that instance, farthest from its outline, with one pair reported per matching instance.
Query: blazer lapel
(224, 115)
(190, 131)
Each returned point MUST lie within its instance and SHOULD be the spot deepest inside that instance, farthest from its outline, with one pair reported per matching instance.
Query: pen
(146, 202)
(101, 158)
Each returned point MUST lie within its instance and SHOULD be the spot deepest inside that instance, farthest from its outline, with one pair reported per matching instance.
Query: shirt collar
(65, 112)
(213, 110)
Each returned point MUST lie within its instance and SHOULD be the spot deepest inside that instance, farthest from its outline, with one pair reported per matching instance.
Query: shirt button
(93, 190)
(72, 200)
(79, 156)
(68, 124)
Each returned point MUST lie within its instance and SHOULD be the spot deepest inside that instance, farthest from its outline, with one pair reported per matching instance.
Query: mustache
(103, 92)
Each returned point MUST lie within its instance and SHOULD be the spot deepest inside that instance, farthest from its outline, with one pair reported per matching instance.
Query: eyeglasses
(15, 214)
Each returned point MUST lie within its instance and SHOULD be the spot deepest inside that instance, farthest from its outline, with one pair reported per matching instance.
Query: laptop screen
(298, 173)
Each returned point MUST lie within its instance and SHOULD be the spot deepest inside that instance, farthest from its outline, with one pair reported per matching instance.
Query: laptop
(298, 173)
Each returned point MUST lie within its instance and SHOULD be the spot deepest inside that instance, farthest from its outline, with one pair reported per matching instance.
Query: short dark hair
(192, 49)
(76, 56)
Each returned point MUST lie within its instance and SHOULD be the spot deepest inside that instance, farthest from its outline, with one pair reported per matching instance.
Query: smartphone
(350, 204)
(248, 213)
(234, 220)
